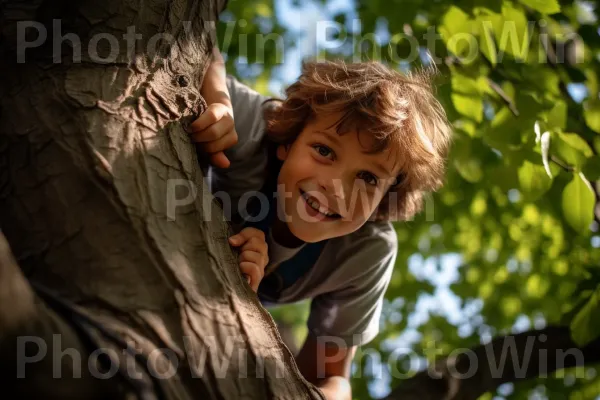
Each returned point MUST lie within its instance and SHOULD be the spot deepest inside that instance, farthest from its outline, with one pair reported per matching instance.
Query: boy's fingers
(204, 121)
(255, 244)
(219, 160)
(225, 141)
(214, 113)
(254, 272)
(253, 257)
(250, 232)
(213, 132)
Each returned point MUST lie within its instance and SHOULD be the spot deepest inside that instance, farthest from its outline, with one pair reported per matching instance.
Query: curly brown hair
(397, 109)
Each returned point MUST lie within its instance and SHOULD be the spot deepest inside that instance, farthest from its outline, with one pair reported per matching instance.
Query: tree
(89, 148)
(97, 176)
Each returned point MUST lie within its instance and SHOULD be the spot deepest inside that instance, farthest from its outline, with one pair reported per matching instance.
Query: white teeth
(316, 206)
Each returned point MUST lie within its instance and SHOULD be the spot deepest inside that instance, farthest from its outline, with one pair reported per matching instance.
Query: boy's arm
(214, 129)
(234, 147)
(348, 314)
(248, 156)
(214, 87)
(327, 366)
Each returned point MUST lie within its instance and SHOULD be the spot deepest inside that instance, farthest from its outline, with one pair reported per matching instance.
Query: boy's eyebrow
(330, 136)
(383, 170)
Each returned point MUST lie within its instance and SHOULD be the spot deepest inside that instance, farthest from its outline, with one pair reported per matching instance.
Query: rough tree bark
(92, 153)
(510, 358)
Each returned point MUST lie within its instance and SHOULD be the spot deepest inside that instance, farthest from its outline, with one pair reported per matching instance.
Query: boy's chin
(306, 234)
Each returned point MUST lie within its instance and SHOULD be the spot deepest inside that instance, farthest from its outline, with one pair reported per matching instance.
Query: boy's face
(329, 184)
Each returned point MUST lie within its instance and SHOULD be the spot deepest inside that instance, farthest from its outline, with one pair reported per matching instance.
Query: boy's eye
(368, 177)
(323, 151)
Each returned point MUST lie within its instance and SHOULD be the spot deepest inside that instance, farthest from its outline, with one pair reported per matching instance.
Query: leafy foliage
(514, 226)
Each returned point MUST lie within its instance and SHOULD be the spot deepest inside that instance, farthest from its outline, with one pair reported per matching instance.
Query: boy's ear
(282, 152)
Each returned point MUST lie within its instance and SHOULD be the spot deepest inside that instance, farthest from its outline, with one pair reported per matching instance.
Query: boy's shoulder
(242, 91)
(377, 240)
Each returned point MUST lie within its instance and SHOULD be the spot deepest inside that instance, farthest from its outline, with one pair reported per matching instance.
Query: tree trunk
(107, 215)
(510, 358)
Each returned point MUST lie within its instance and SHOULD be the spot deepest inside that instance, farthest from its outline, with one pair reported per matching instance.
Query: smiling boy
(351, 148)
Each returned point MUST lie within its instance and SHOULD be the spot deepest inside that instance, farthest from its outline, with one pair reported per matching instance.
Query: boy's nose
(334, 186)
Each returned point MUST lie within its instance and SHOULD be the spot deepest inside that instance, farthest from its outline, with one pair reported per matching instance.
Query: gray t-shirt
(351, 275)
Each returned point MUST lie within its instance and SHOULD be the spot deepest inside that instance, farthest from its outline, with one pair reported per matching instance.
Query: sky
(302, 22)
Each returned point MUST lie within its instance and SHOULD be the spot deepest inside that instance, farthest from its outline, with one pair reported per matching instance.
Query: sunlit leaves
(533, 180)
(512, 33)
(486, 40)
(537, 286)
(467, 96)
(571, 148)
(456, 31)
(543, 6)
(578, 204)
(467, 163)
(591, 112)
(557, 116)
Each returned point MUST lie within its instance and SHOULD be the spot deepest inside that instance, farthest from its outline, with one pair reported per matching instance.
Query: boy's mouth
(318, 207)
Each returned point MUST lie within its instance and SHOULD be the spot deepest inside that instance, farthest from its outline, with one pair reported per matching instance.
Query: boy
(351, 148)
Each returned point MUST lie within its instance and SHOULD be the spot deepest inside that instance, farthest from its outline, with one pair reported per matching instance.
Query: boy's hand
(214, 131)
(254, 255)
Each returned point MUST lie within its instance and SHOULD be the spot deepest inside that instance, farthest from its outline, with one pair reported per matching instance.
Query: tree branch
(561, 164)
(507, 100)
(505, 359)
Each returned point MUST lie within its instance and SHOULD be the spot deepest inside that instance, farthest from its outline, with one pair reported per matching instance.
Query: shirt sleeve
(248, 157)
(352, 314)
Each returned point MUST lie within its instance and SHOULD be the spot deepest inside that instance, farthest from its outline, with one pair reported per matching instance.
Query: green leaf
(591, 169)
(504, 131)
(528, 104)
(585, 326)
(456, 29)
(571, 148)
(591, 113)
(533, 180)
(263, 9)
(466, 163)
(467, 96)
(557, 117)
(512, 34)
(543, 6)
(470, 169)
(469, 106)
(577, 142)
(591, 82)
(486, 42)
(578, 201)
